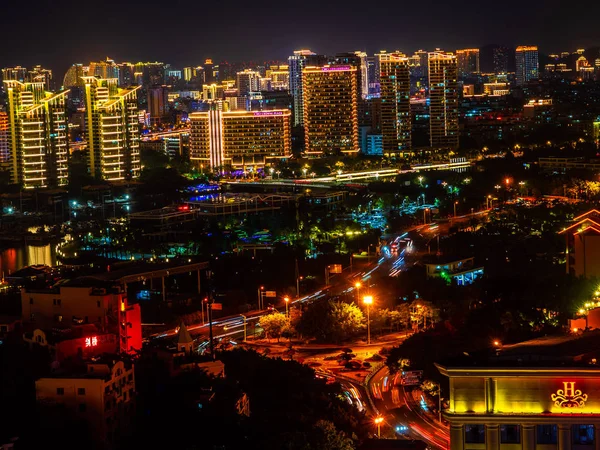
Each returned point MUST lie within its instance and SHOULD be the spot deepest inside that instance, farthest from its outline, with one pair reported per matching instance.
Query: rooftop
(567, 352)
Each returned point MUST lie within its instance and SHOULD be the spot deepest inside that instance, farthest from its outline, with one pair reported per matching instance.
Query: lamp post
(245, 321)
(260, 295)
(425, 211)
(455, 203)
(357, 286)
(378, 421)
(287, 303)
(368, 300)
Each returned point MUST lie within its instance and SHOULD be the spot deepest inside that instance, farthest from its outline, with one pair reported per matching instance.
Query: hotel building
(538, 395)
(112, 129)
(395, 103)
(527, 64)
(240, 139)
(330, 110)
(37, 133)
(443, 100)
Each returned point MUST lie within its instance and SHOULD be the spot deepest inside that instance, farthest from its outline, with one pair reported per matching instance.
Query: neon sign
(335, 68)
(268, 113)
(569, 397)
(91, 342)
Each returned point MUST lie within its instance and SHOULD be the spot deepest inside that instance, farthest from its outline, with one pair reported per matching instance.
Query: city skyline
(474, 27)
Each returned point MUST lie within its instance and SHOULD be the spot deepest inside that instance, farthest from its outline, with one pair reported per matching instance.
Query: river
(13, 259)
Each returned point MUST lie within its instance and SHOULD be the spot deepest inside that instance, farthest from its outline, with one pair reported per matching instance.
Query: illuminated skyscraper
(527, 64)
(126, 74)
(104, 69)
(209, 74)
(467, 61)
(247, 81)
(112, 129)
(158, 103)
(240, 139)
(73, 76)
(15, 73)
(419, 62)
(330, 110)
(443, 100)
(4, 142)
(395, 103)
(296, 63)
(40, 75)
(280, 77)
(37, 135)
(500, 55)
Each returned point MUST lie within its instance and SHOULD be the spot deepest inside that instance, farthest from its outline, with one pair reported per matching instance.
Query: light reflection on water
(13, 259)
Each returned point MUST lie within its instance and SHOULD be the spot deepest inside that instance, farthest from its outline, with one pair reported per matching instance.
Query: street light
(368, 300)
(420, 180)
(378, 421)
(287, 302)
(357, 285)
(455, 203)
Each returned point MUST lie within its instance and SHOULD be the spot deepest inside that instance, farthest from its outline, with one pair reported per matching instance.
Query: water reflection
(13, 259)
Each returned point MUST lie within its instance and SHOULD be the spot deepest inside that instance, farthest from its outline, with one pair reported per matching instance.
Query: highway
(402, 414)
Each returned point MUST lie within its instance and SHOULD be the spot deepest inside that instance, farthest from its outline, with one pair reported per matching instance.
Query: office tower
(104, 69)
(158, 103)
(247, 81)
(358, 60)
(467, 61)
(126, 74)
(15, 73)
(500, 55)
(37, 135)
(395, 103)
(280, 77)
(240, 139)
(112, 129)
(296, 64)
(373, 76)
(209, 76)
(363, 70)
(148, 73)
(527, 64)
(443, 100)
(330, 109)
(73, 76)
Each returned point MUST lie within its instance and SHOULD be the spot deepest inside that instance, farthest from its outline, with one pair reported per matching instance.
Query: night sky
(56, 33)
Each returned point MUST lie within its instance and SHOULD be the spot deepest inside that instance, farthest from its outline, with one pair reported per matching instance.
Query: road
(402, 414)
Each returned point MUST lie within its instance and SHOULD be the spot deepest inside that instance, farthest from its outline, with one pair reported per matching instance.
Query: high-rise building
(296, 64)
(40, 75)
(209, 75)
(240, 139)
(112, 129)
(38, 135)
(4, 142)
(73, 76)
(363, 78)
(247, 81)
(126, 74)
(330, 109)
(500, 55)
(443, 100)
(158, 103)
(527, 64)
(104, 69)
(373, 76)
(395, 103)
(15, 73)
(467, 61)
(419, 62)
(280, 77)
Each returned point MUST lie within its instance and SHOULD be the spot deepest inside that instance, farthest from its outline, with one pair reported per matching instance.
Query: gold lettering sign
(569, 396)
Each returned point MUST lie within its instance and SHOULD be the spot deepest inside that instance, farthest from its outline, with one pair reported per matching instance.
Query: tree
(330, 438)
(331, 321)
(274, 325)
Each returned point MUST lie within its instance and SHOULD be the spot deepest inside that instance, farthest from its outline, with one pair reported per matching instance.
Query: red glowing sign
(91, 341)
(569, 396)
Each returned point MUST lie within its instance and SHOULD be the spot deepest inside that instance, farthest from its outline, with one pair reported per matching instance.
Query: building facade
(158, 103)
(395, 103)
(247, 81)
(105, 308)
(523, 407)
(527, 60)
(443, 100)
(296, 64)
(38, 135)
(102, 393)
(240, 139)
(467, 61)
(500, 59)
(113, 134)
(330, 110)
